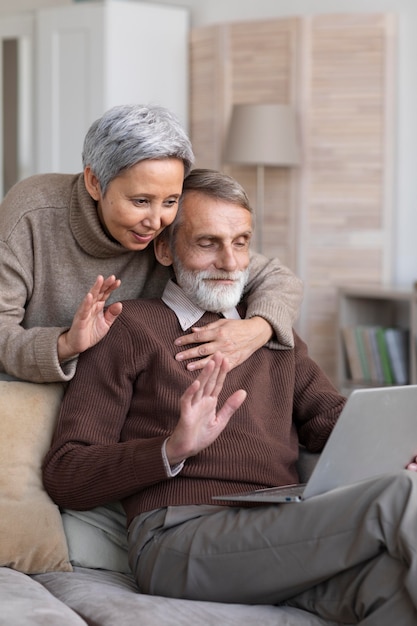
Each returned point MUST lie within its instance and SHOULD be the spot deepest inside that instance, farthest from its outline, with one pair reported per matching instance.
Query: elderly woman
(61, 234)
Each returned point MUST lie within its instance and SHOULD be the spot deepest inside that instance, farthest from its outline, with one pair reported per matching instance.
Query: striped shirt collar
(186, 311)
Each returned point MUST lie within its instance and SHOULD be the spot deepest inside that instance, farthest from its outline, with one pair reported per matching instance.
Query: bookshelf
(375, 306)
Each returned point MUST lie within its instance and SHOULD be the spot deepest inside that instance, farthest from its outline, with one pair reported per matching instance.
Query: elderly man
(126, 432)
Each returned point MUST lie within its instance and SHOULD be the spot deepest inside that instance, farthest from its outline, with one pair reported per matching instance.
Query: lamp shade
(262, 134)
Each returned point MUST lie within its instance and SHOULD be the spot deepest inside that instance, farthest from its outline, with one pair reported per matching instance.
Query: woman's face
(140, 202)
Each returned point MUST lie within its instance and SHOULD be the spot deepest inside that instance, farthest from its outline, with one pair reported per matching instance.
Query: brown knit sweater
(124, 401)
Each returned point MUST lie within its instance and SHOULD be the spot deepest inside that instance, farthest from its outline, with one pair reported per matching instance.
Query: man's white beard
(211, 296)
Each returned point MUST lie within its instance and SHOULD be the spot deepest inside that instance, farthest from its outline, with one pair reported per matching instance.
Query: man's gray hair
(128, 134)
(214, 184)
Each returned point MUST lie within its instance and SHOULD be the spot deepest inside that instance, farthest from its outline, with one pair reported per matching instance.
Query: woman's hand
(200, 423)
(91, 322)
(235, 339)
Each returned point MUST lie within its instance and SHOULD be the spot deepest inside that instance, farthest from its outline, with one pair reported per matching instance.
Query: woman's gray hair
(130, 133)
(214, 184)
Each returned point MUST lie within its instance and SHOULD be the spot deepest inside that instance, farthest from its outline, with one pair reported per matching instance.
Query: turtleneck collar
(86, 226)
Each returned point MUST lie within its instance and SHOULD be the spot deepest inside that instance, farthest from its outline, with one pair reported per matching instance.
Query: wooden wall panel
(330, 219)
(264, 69)
(263, 61)
(348, 237)
(207, 96)
(234, 64)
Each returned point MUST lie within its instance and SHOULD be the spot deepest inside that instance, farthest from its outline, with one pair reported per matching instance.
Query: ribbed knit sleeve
(275, 294)
(90, 461)
(317, 404)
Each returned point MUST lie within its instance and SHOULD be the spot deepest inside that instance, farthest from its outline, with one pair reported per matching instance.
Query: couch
(62, 568)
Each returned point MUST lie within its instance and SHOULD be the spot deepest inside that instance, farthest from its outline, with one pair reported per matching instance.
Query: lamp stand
(260, 201)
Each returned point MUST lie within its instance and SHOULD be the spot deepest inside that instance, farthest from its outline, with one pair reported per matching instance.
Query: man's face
(211, 255)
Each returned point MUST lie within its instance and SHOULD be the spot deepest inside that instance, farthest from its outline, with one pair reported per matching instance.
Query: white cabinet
(74, 62)
(94, 55)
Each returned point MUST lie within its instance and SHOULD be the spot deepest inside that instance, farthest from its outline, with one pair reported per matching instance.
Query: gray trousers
(349, 555)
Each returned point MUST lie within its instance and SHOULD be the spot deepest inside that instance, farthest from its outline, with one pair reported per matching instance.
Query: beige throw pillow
(32, 537)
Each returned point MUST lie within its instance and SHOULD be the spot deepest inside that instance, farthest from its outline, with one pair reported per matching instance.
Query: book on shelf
(397, 345)
(352, 353)
(377, 355)
(363, 355)
(384, 355)
(368, 333)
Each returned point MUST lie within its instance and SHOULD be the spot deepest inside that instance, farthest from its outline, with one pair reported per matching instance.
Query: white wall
(16, 6)
(213, 11)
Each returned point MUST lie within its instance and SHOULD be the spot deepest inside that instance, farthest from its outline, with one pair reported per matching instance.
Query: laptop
(376, 433)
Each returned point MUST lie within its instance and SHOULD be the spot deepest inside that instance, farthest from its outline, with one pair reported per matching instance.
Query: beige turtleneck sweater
(52, 247)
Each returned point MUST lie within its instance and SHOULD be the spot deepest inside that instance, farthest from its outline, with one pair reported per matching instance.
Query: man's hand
(235, 339)
(91, 322)
(199, 424)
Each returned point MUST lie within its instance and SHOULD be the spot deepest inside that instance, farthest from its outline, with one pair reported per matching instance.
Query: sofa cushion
(25, 602)
(107, 598)
(98, 538)
(31, 529)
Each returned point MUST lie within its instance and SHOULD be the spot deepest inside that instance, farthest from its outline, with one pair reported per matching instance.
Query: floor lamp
(261, 135)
